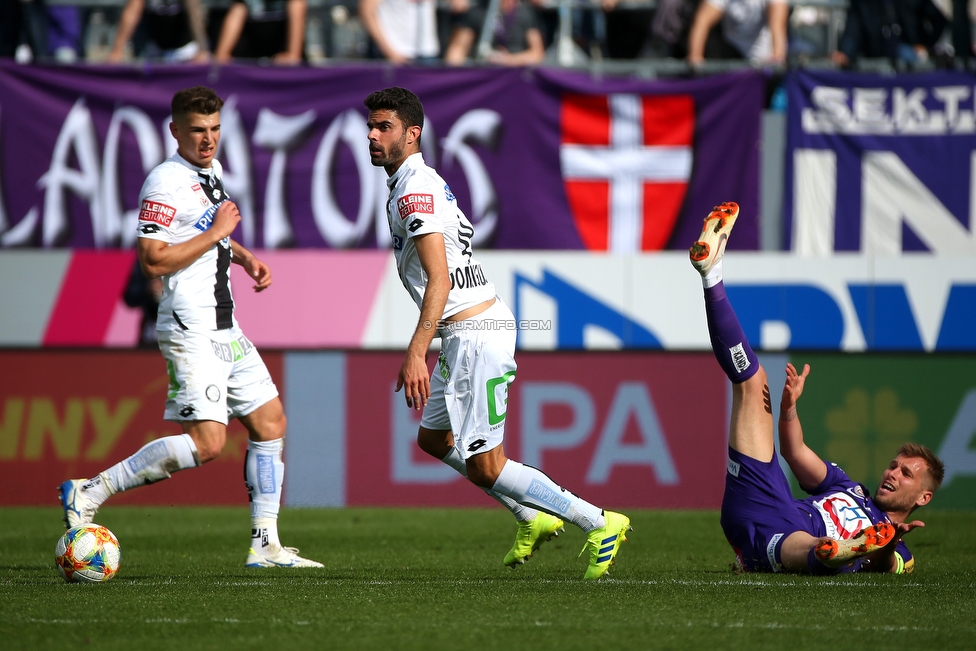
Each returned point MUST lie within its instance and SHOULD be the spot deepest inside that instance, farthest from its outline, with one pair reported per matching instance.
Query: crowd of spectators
(501, 32)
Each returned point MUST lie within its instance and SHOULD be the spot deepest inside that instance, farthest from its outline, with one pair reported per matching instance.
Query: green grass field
(433, 579)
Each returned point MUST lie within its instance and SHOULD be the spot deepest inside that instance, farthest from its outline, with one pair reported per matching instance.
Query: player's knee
(277, 427)
(755, 384)
(481, 477)
(483, 469)
(436, 443)
(210, 444)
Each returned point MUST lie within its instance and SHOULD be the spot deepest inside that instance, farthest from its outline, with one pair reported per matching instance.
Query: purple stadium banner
(880, 164)
(539, 159)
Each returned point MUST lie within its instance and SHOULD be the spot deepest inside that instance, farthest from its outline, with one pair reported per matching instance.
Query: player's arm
(414, 377)
(807, 466)
(259, 271)
(159, 258)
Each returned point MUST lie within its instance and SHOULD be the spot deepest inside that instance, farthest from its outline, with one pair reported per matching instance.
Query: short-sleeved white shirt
(177, 202)
(421, 202)
(745, 25)
(410, 26)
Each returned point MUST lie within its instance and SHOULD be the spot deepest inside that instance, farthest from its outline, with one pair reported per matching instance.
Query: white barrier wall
(561, 301)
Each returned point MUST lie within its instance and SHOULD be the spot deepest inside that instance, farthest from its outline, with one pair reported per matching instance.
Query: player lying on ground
(840, 527)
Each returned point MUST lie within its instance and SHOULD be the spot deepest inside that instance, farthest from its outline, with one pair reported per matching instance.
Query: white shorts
(215, 375)
(469, 386)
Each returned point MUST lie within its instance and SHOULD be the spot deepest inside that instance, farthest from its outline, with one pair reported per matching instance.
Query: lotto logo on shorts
(413, 203)
(153, 211)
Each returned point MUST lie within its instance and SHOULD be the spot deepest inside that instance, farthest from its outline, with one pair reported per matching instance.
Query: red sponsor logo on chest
(414, 203)
(153, 211)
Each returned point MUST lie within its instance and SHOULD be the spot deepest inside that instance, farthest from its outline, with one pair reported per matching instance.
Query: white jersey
(421, 202)
(177, 202)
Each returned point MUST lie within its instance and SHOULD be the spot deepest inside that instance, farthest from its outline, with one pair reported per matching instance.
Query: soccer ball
(88, 553)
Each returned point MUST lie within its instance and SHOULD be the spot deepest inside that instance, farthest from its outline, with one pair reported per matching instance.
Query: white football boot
(283, 557)
(78, 507)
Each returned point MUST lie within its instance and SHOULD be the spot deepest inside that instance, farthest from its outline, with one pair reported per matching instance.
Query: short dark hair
(401, 101)
(936, 467)
(198, 99)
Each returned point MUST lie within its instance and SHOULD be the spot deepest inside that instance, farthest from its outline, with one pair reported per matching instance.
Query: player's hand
(793, 388)
(260, 272)
(225, 220)
(414, 379)
(901, 528)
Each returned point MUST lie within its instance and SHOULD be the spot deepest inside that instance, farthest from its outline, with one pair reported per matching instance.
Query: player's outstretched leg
(155, 461)
(835, 553)
(531, 487)
(729, 343)
(534, 526)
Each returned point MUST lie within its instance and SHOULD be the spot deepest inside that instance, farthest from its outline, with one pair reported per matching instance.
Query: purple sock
(729, 343)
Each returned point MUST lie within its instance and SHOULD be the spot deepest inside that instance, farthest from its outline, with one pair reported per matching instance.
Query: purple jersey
(759, 513)
(840, 508)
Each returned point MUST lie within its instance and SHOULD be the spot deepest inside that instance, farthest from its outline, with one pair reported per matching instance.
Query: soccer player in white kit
(465, 400)
(185, 224)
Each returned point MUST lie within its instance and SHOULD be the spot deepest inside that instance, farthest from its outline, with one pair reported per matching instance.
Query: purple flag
(539, 159)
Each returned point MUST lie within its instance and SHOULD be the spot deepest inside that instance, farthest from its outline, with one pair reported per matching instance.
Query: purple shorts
(758, 512)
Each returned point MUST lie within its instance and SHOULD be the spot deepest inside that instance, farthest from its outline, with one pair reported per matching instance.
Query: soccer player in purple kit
(840, 527)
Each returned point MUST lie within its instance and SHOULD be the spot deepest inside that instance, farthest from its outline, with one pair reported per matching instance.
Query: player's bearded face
(393, 151)
(901, 484)
(387, 138)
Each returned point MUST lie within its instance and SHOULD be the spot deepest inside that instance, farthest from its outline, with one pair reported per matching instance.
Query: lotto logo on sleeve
(411, 204)
(153, 211)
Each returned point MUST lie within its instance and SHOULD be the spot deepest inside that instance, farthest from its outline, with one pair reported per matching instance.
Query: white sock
(530, 486)
(714, 276)
(264, 471)
(521, 513)
(264, 535)
(153, 462)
